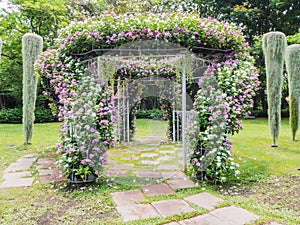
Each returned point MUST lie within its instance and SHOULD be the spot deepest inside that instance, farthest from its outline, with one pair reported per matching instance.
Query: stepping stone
(44, 163)
(166, 158)
(127, 198)
(168, 175)
(148, 174)
(17, 179)
(133, 151)
(151, 145)
(179, 174)
(114, 154)
(234, 215)
(167, 166)
(16, 175)
(178, 183)
(122, 166)
(172, 207)
(54, 176)
(130, 158)
(137, 212)
(204, 220)
(45, 172)
(204, 200)
(23, 163)
(157, 189)
(273, 223)
(18, 182)
(149, 155)
(31, 156)
(172, 223)
(149, 162)
(167, 152)
(116, 173)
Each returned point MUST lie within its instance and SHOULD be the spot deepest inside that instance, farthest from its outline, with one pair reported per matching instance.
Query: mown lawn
(12, 145)
(269, 185)
(270, 179)
(150, 128)
(252, 149)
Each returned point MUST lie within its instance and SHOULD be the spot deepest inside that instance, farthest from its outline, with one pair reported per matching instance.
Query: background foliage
(46, 18)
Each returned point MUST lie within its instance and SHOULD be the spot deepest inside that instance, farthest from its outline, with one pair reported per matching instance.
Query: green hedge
(259, 113)
(149, 114)
(42, 115)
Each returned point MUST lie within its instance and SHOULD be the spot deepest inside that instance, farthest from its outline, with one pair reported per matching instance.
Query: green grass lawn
(270, 180)
(12, 146)
(45, 134)
(150, 128)
(252, 149)
(269, 184)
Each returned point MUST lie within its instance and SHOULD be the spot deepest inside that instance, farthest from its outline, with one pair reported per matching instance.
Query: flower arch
(62, 73)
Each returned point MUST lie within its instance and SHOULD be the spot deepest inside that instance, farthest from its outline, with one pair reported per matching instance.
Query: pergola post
(173, 122)
(124, 113)
(127, 113)
(183, 127)
(119, 110)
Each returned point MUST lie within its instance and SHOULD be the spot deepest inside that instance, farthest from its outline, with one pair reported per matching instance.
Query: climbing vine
(235, 79)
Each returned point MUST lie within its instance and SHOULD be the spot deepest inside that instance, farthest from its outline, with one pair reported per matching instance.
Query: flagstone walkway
(207, 206)
(19, 173)
(152, 160)
(130, 208)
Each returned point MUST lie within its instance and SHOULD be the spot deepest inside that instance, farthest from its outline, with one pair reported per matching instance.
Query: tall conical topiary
(274, 46)
(293, 70)
(0, 48)
(32, 46)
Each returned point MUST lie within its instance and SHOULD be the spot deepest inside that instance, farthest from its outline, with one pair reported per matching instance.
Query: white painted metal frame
(126, 108)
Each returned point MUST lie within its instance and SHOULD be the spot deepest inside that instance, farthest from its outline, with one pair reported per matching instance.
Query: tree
(293, 39)
(293, 69)
(86, 8)
(25, 16)
(199, 6)
(258, 17)
(274, 45)
(41, 17)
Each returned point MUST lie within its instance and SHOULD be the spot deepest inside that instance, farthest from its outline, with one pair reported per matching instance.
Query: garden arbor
(147, 68)
(94, 47)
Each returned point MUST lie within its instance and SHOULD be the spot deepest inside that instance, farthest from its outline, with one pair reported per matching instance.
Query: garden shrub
(14, 116)
(149, 114)
(44, 115)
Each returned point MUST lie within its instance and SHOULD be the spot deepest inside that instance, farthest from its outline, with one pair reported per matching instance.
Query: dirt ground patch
(278, 192)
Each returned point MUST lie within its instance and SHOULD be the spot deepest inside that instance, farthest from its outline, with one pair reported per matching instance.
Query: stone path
(130, 208)
(163, 161)
(145, 158)
(167, 180)
(47, 169)
(19, 173)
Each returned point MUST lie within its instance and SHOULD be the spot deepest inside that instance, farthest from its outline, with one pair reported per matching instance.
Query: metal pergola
(136, 54)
